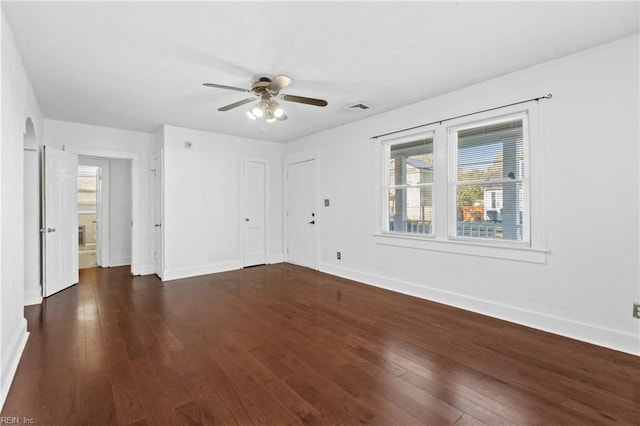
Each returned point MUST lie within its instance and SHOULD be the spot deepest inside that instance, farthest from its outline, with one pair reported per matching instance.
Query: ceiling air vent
(358, 106)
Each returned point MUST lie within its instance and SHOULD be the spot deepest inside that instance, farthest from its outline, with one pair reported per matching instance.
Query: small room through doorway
(88, 211)
(104, 212)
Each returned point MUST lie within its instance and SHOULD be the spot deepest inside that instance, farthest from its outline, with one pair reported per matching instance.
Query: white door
(158, 253)
(60, 220)
(99, 217)
(254, 190)
(301, 214)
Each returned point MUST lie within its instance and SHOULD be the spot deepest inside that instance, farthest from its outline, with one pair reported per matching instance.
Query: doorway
(88, 215)
(104, 212)
(31, 192)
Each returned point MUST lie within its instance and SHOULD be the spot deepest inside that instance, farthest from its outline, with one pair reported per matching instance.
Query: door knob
(246, 219)
(51, 229)
(313, 222)
(158, 225)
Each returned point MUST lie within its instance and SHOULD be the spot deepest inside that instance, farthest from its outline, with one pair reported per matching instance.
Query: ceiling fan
(267, 90)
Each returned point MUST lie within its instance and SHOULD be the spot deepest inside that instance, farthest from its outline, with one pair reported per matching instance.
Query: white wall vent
(358, 106)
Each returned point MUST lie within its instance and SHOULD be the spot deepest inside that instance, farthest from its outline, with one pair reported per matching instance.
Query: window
(409, 186)
(87, 189)
(464, 186)
(489, 180)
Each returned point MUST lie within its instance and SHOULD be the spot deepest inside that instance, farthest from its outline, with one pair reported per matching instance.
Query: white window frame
(443, 238)
(386, 153)
(453, 180)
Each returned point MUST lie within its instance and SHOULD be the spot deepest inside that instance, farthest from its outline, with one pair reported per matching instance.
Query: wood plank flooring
(279, 344)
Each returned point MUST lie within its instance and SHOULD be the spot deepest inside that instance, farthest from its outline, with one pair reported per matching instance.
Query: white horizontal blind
(489, 181)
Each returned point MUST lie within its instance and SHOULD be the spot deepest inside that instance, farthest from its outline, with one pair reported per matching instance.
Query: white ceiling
(140, 65)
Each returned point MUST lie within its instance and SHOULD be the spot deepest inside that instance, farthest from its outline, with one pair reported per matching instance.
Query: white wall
(120, 213)
(586, 288)
(18, 104)
(110, 143)
(201, 200)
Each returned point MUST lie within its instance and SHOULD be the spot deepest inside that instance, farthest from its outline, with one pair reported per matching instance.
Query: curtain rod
(548, 96)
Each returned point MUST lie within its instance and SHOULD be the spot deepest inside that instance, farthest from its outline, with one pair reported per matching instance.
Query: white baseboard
(192, 271)
(613, 339)
(33, 297)
(148, 269)
(277, 258)
(11, 358)
(123, 261)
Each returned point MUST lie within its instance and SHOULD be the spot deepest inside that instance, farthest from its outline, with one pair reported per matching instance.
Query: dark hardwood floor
(280, 344)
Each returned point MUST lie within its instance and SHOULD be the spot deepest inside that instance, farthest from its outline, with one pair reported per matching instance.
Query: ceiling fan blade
(220, 86)
(236, 104)
(279, 82)
(304, 100)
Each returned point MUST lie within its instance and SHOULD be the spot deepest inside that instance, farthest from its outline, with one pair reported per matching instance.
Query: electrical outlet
(338, 255)
(636, 310)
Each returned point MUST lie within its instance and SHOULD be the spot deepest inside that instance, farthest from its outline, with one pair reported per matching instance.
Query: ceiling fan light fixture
(270, 115)
(257, 111)
(278, 112)
(251, 115)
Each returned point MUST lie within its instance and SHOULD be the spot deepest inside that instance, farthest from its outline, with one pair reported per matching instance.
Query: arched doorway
(31, 199)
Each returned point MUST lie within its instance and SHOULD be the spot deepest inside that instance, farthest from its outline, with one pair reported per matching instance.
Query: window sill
(522, 254)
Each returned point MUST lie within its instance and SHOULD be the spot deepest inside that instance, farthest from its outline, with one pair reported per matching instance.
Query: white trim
(295, 158)
(136, 191)
(33, 297)
(466, 247)
(601, 336)
(536, 178)
(148, 269)
(192, 271)
(301, 156)
(158, 208)
(123, 261)
(11, 358)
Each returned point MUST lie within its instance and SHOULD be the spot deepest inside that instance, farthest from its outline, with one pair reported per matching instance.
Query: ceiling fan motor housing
(261, 87)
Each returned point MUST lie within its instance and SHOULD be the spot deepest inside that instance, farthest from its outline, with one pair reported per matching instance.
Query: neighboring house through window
(409, 186)
(490, 164)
